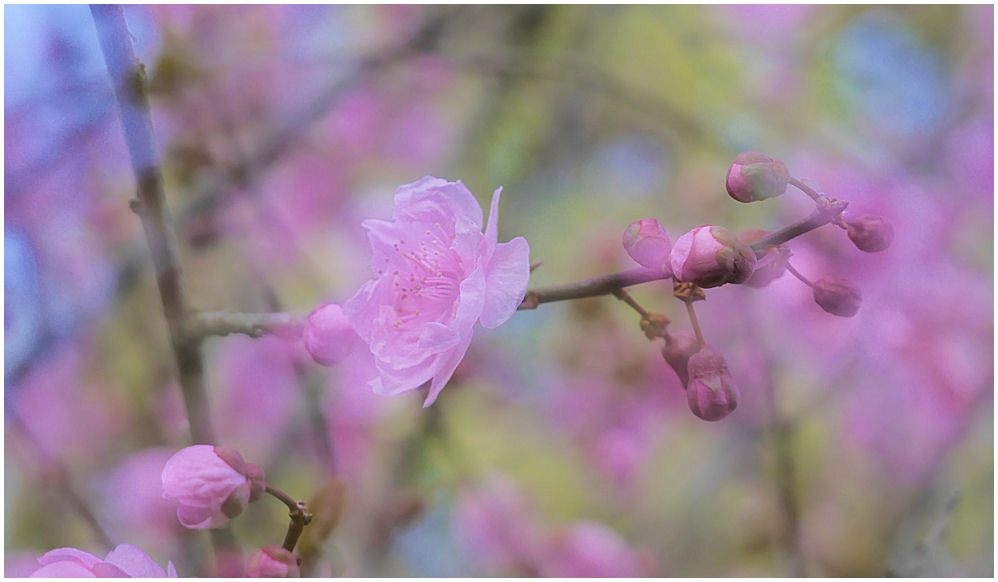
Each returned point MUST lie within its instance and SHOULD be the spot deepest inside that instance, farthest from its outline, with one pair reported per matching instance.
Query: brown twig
(128, 76)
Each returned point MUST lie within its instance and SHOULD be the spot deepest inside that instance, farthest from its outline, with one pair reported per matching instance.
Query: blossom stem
(128, 77)
(828, 211)
(798, 274)
(695, 323)
(595, 286)
(811, 192)
(624, 296)
(297, 511)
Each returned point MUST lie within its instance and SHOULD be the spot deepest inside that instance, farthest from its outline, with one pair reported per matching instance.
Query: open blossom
(436, 275)
(124, 561)
(212, 484)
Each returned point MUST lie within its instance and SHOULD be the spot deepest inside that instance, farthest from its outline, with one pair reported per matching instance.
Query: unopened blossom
(273, 562)
(212, 484)
(837, 296)
(678, 349)
(648, 244)
(870, 233)
(436, 275)
(124, 561)
(755, 176)
(329, 337)
(710, 256)
(712, 393)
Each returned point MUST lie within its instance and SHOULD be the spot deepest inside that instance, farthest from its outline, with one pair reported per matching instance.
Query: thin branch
(210, 323)
(593, 287)
(54, 468)
(828, 212)
(128, 78)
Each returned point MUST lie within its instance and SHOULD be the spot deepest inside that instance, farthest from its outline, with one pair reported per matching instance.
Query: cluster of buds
(710, 256)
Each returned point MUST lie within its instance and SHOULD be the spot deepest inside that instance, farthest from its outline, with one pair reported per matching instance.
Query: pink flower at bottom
(437, 275)
(273, 562)
(212, 484)
(588, 549)
(124, 561)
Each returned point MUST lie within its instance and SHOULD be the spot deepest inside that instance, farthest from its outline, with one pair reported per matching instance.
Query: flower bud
(754, 176)
(329, 337)
(770, 266)
(211, 484)
(647, 243)
(836, 296)
(710, 256)
(677, 351)
(711, 393)
(273, 562)
(870, 233)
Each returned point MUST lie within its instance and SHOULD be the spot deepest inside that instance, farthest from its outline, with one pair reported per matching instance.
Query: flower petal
(135, 562)
(506, 280)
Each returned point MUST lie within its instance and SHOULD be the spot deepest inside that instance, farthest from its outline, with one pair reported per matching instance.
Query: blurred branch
(628, 96)
(209, 323)
(288, 132)
(128, 77)
(54, 472)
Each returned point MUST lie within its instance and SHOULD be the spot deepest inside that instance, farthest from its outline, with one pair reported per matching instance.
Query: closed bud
(711, 393)
(677, 351)
(754, 176)
(329, 337)
(870, 233)
(836, 296)
(710, 256)
(648, 244)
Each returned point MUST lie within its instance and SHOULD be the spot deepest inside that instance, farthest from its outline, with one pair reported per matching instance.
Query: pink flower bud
(754, 176)
(836, 296)
(124, 561)
(212, 485)
(770, 266)
(677, 351)
(712, 393)
(273, 562)
(870, 233)
(647, 243)
(710, 256)
(329, 337)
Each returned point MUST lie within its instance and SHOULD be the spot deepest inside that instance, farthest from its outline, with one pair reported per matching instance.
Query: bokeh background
(563, 446)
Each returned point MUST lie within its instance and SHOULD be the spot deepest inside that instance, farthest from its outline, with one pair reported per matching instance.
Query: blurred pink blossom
(212, 485)
(124, 561)
(437, 274)
(498, 526)
(588, 549)
(273, 562)
(134, 504)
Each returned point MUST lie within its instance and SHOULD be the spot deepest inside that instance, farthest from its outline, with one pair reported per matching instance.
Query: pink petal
(505, 281)
(429, 199)
(61, 554)
(135, 562)
(64, 569)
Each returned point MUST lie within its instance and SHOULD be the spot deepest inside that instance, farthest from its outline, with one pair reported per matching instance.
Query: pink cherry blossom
(124, 561)
(436, 275)
(273, 562)
(212, 484)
